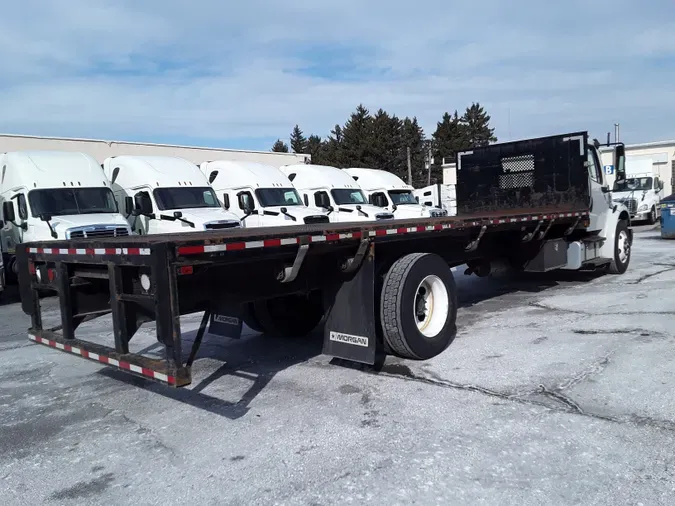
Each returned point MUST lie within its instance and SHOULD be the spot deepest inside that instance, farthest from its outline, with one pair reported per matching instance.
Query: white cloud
(226, 70)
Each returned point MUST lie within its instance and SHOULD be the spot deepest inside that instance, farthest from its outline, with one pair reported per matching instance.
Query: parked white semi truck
(641, 191)
(336, 191)
(260, 195)
(54, 195)
(391, 193)
(165, 194)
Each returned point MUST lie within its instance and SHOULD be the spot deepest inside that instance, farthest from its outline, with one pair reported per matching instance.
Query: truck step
(594, 239)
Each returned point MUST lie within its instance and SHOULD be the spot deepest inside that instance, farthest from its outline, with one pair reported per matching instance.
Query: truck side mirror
(620, 162)
(245, 202)
(128, 206)
(143, 203)
(226, 201)
(8, 211)
(321, 199)
(379, 200)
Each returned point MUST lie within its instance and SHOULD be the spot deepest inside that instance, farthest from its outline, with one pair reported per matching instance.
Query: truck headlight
(642, 208)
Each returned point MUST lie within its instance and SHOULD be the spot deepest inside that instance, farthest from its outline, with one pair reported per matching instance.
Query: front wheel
(652, 216)
(418, 306)
(622, 249)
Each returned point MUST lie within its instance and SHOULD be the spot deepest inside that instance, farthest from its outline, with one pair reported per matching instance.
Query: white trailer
(336, 191)
(440, 196)
(264, 196)
(164, 194)
(49, 195)
(101, 149)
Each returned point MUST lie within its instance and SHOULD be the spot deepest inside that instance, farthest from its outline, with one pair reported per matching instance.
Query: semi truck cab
(335, 191)
(390, 193)
(164, 194)
(259, 195)
(641, 193)
(54, 195)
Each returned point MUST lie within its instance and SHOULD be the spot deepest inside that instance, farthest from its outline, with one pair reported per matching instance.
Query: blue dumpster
(668, 217)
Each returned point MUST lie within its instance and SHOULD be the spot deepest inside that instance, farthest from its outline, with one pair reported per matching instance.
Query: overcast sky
(239, 74)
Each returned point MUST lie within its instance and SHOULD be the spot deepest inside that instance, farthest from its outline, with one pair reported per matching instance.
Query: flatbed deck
(198, 243)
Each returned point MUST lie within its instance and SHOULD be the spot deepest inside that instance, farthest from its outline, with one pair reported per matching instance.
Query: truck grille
(437, 213)
(631, 204)
(316, 219)
(96, 231)
(217, 225)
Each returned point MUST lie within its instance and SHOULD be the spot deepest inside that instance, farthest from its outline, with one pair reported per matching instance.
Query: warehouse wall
(101, 149)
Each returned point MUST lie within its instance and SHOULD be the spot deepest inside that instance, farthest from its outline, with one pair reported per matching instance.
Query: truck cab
(50, 195)
(258, 194)
(641, 193)
(336, 191)
(390, 193)
(165, 194)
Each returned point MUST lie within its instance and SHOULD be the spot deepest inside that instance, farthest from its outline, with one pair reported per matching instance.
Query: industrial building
(102, 149)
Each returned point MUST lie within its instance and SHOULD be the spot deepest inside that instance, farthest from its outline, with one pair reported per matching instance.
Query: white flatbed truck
(382, 287)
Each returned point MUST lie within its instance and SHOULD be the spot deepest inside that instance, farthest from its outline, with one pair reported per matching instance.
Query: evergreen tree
(477, 127)
(357, 139)
(316, 148)
(298, 141)
(332, 152)
(386, 144)
(449, 138)
(412, 135)
(280, 147)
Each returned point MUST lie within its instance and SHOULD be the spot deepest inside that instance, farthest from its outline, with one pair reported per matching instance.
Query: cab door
(601, 198)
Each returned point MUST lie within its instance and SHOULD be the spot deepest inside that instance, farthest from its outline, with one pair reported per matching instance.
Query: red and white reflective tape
(268, 243)
(144, 371)
(90, 251)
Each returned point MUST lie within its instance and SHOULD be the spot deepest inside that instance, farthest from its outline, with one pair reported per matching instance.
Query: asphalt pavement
(559, 389)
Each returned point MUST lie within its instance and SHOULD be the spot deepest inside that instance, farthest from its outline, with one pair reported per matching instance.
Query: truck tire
(290, 315)
(651, 219)
(622, 249)
(418, 306)
(250, 318)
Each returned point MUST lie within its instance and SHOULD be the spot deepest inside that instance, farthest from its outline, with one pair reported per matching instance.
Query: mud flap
(351, 329)
(226, 321)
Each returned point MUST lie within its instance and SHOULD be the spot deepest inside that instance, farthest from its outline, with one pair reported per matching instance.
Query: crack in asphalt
(403, 372)
(595, 368)
(540, 305)
(651, 275)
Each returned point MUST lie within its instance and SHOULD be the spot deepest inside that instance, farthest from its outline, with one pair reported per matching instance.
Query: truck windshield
(402, 197)
(633, 184)
(271, 197)
(185, 198)
(344, 196)
(62, 201)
